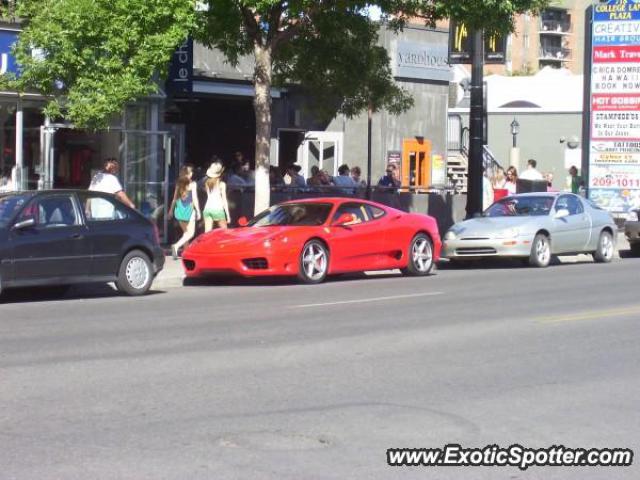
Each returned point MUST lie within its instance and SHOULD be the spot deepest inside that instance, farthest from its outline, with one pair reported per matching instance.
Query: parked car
(64, 237)
(315, 238)
(632, 230)
(534, 226)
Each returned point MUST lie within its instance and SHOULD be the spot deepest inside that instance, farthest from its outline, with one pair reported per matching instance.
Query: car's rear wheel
(604, 253)
(540, 251)
(136, 273)
(420, 261)
(314, 262)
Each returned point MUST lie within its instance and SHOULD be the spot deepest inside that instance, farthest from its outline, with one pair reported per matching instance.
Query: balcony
(556, 54)
(555, 27)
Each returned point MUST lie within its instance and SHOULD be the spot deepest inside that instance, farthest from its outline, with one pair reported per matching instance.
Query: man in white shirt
(531, 173)
(107, 181)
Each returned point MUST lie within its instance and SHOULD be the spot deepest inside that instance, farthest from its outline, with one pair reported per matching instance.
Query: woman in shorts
(216, 210)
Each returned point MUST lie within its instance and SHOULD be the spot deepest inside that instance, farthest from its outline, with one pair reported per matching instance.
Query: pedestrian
(574, 180)
(531, 173)
(344, 179)
(487, 190)
(356, 174)
(549, 178)
(512, 179)
(107, 181)
(6, 183)
(293, 174)
(216, 210)
(390, 180)
(499, 179)
(185, 208)
(234, 179)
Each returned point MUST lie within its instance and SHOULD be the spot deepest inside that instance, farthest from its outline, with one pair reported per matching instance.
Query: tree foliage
(93, 56)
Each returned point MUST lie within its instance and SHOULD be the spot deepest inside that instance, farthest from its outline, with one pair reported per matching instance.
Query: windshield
(293, 214)
(520, 207)
(9, 205)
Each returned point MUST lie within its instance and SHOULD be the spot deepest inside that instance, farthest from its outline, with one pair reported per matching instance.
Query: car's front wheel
(420, 261)
(314, 262)
(540, 251)
(136, 273)
(604, 253)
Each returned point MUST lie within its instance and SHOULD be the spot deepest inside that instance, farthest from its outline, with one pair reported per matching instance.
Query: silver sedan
(534, 226)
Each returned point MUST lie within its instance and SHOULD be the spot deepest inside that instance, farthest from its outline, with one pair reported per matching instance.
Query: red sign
(615, 102)
(616, 54)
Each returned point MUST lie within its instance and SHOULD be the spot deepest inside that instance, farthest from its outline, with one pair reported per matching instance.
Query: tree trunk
(262, 108)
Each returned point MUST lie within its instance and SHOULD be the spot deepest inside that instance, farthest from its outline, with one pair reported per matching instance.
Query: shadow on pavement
(63, 293)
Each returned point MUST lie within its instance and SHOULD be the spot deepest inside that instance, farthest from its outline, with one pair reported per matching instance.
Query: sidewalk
(173, 273)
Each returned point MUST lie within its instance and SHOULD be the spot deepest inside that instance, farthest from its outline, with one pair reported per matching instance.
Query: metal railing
(555, 53)
(555, 26)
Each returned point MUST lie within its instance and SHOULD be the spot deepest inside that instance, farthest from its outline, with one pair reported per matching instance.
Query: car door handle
(77, 236)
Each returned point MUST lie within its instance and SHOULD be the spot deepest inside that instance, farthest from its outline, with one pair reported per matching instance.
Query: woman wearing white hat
(216, 210)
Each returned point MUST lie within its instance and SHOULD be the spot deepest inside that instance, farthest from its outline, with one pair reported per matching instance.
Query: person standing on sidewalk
(216, 210)
(106, 181)
(185, 208)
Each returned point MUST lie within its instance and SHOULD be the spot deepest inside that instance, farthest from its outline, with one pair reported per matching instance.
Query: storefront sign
(425, 61)
(614, 155)
(7, 61)
(495, 46)
(180, 79)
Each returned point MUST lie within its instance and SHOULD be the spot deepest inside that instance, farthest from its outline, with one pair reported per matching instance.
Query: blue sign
(617, 10)
(180, 79)
(7, 60)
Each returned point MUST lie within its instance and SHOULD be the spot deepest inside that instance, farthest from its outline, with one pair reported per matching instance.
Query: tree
(92, 68)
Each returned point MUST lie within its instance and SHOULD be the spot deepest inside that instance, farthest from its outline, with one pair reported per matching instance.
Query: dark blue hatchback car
(65, 237)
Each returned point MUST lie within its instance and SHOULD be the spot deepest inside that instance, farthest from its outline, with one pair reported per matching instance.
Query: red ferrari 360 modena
(319, 237)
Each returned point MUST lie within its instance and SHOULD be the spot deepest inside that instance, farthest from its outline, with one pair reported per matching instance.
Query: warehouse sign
(425, 61)
(614, 153)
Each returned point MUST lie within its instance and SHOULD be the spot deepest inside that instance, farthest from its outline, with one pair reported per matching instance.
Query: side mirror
(243, 222)
(344, 219)
(24, 224)
(563, 212)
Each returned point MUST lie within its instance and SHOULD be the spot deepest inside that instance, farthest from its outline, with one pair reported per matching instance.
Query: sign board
(180, 79)
(614, 151)
(7, 61)
(424, 61)
(495, 46)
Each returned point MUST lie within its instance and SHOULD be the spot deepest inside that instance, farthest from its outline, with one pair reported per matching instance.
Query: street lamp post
(515, 129)
(514, 154)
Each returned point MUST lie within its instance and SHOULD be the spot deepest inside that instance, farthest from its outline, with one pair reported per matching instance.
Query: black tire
(635, 249)
(313, 270)
(419, 256)
(540, 251)
(605, 250)
(136, 274)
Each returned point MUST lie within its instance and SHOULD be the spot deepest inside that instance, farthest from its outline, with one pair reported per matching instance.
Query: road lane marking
(368, 300)
(591, 315)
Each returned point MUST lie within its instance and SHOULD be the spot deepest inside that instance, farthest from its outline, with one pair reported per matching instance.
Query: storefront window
(7, 145)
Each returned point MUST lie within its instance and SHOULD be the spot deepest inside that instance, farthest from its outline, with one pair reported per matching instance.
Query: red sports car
(319, 237)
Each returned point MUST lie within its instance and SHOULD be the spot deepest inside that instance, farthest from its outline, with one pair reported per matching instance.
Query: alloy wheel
(314, 261)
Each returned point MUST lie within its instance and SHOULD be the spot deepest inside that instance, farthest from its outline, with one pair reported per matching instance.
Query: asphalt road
(255, 380)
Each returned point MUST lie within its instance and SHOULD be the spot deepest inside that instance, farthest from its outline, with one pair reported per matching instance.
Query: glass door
(147, 158)
(322, 149)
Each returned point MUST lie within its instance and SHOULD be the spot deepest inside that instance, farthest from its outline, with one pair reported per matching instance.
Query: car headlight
(509, 233)
(632, 216)
(450, 235)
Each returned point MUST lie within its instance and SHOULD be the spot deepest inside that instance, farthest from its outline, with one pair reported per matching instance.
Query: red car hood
(235, 239)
